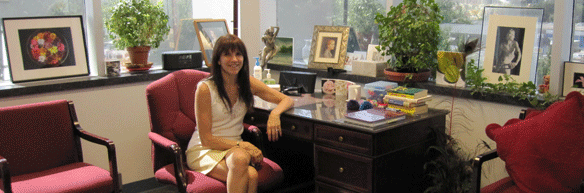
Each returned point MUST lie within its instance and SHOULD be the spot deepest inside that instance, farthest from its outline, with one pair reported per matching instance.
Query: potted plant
(409, 33)
(137, 26)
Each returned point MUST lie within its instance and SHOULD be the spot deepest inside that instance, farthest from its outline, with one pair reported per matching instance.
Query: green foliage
(137, 23)
(509, 86)
(543, 66)
(286, 49)
(454, 12)
(410, 33)
(450, 168)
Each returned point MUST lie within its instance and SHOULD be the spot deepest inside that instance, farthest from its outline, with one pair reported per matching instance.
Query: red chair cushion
(76, 177)
(544, 152)
(269, 174)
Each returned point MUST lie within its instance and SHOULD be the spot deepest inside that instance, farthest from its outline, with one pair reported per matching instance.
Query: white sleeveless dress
(224, 124)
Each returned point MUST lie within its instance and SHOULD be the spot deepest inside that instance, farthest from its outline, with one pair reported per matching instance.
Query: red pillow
(544, 152)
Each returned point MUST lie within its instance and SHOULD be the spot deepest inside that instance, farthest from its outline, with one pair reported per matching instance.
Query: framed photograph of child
(329, 47)
(573, 77)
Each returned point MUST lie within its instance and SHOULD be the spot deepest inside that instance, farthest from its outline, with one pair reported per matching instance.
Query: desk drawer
(344, 139)
(296, 128)
(342, 169)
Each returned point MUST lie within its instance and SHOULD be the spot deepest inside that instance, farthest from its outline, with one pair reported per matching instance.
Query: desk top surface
(330, 109)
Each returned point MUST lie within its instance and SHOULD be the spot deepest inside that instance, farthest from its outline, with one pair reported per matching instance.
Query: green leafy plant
(137, 23)
(410, 32)
(509, 86)
(450, 168)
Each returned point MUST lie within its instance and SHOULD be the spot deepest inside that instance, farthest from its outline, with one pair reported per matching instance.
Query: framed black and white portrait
(511, 43)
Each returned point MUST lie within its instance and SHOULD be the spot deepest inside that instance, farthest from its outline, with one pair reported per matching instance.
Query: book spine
(404, 103)
(419, 100)
(408, 110)
(400, 95)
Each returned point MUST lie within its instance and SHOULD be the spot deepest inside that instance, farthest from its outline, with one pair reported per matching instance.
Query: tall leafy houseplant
(137, 25)
(410, 33)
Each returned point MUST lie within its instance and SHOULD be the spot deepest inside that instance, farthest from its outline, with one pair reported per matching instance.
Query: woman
(221, 101)
(328, 52)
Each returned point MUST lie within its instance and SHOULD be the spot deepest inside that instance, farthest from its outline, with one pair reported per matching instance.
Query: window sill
(65, 84)
(430, 85)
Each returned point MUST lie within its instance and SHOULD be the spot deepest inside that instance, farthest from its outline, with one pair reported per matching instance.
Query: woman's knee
(252, 173)
(238, 158)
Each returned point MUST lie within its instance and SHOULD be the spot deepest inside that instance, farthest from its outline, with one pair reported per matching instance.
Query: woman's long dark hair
(228, 43)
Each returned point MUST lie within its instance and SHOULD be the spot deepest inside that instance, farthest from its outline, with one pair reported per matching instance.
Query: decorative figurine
(545, 87)
(270, 49)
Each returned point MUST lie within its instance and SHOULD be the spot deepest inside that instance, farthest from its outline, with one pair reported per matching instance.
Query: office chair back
(37, 137)
(171, 102)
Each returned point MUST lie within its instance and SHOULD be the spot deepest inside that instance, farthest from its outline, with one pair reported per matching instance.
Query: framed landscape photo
(512, 41)
(285, 51)
(329, 47)
(41, 48)
(208, 31)
(573, 77)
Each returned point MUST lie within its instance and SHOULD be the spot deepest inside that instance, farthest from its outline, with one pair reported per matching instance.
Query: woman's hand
(253, 151)
(274, 129)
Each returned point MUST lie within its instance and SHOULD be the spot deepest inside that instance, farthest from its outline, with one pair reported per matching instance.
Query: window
(578, 32)
(296, 19)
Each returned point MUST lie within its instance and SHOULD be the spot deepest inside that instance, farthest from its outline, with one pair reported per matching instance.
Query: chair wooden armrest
(477, 163)
(253, 135)
(109, 144)
(5, 175)
(174, 148)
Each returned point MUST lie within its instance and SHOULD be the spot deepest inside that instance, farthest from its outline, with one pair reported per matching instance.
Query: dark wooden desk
(317, 148)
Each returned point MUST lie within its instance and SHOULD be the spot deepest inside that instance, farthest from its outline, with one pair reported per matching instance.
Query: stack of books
(409, 100)
(374, 118)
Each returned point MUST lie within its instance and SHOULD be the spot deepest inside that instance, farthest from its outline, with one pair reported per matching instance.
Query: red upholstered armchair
(539, 151)
(40, 151)
(172, 117)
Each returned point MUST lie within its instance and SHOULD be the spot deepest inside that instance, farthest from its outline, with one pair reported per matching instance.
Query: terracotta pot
(401, 76)
(138, 54)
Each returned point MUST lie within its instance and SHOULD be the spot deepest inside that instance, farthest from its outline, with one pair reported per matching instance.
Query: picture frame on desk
(208, 31)
(285, 51)
(42, 48)
(329, 47)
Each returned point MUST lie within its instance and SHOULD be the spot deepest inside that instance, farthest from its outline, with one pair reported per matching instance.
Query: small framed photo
(208, 31)
(41, 48)
(329, 47)
(573, 77)
(285, 51)
(374, 55)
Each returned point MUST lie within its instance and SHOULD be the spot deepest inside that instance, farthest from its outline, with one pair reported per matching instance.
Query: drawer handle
(341, 138)
(341, 170)
(252, 118)
(293, 128)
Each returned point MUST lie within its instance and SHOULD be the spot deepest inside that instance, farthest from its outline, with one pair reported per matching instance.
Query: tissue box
(368, 68)
(377, 90)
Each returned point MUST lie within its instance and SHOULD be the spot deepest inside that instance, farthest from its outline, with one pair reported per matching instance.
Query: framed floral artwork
(573, 77)
(329, 47)
(208, 31)
(41, 48)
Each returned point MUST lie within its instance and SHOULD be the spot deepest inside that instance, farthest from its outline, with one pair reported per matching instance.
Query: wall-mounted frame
(573, 77)
(285, 51)
(512, 42)
(208, 31)
(329, 47)
(41, 48)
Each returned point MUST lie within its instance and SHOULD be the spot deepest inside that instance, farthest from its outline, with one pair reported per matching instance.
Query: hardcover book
(401, 101)
(410, 110)
(374, 117)
(411, 93)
